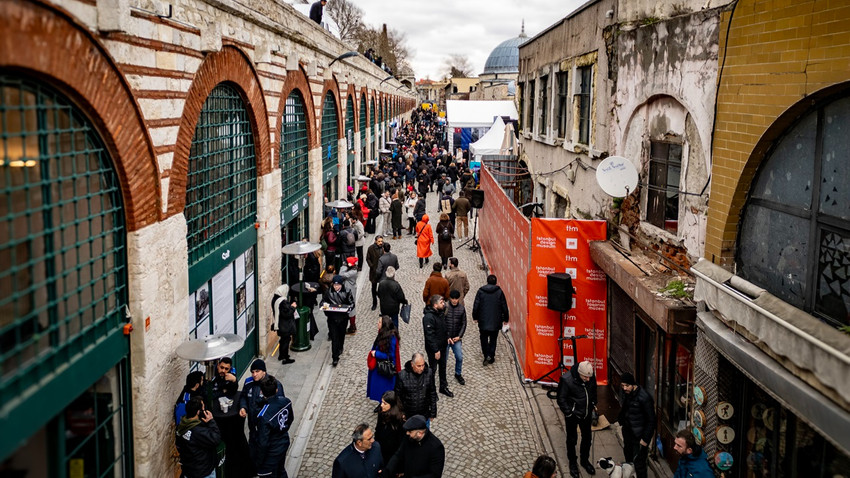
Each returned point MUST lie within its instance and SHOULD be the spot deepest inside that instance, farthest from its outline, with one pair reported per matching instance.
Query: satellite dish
(617, 176)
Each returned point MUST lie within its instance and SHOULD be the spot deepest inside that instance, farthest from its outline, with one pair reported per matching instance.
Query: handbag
(371, 361)
(405, 313)
(386, 368)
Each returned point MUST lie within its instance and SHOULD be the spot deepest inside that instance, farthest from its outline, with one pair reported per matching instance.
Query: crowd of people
(406, 391)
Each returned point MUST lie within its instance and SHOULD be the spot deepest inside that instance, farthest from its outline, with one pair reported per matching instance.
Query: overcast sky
(435, 29)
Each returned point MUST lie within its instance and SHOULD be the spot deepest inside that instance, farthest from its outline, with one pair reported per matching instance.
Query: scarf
(282, 294)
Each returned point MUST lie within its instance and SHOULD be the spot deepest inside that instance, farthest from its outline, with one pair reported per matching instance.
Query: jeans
(457, 349)
(395, 319)
(572, 438)
(488, 342)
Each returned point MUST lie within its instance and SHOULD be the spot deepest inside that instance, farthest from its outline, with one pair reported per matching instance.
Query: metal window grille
(63, 280)
(531, 106)
(665, 165)
(544, 102)
(330, 140)
(221, 189)
(585, 75)
(520, 93)
(562, 104)
(363, 124)
(294, 149)
(349, 123)
(374, 123)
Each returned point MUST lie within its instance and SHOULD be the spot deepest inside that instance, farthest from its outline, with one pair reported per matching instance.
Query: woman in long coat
(284, 315)
(396, 211)
(445, 232)
(424, 239)
(386, 346)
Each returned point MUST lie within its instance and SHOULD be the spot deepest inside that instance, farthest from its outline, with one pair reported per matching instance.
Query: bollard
(301, 340)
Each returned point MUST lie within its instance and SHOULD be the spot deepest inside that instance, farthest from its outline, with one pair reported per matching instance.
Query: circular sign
(699, 395)
(723, 460)
(699, 436)
(617, 176)
(725, 410)
(698, 418)
(757, 410)
(725, 434)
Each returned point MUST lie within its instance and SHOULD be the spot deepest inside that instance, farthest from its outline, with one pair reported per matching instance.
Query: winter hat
(338, 279)
(585, 368)
(351, 189)
(258, 364)
(628, 379)
(390, 272)
(352, 261)
(416, 422)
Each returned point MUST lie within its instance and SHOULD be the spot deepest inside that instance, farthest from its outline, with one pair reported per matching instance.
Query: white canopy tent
(490, 143)
(477, 114)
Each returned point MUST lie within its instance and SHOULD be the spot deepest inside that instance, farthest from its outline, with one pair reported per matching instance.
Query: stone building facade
(155, 159)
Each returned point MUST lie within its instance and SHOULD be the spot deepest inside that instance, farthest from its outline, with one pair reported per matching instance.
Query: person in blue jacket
(692, 459)
(362, 458)
(250, 401)
(270, 435)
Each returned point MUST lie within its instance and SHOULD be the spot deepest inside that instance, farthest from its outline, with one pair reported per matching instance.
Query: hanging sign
(725, 410)
(725, 434)
(699, 418)
(699, 395)
(723, 460)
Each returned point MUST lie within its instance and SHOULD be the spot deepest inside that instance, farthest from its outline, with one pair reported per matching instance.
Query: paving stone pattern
(488, 428)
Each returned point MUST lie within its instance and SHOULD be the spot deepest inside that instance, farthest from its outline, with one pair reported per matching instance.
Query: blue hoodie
(694, 465)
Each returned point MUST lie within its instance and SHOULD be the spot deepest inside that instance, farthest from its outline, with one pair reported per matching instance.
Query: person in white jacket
(349, 274)
(384, 207)
(409, 206)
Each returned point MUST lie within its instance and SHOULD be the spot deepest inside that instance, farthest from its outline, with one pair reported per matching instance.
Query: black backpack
(445, 234)
(349, 237)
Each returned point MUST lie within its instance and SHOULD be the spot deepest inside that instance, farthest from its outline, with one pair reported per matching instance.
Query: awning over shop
(807, 403)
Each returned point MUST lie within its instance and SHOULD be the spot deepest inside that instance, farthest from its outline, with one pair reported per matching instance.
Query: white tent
(490, 143)
(477, 114)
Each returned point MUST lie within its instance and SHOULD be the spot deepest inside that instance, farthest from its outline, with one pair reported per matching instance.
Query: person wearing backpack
(347, 241)
(445, 232)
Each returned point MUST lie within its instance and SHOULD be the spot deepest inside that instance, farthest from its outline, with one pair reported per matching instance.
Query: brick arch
(297, 81)
(93, 82)
(332, 86)
(232, 66)
(729, 214)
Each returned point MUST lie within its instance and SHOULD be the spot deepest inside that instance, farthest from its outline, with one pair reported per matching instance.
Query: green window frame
(330, 136)
(221, 187)
(349, 128)
(362, 128)
(63, 283)
(374, 129)
(294, 149)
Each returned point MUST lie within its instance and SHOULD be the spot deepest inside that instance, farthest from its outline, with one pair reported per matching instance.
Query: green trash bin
(301, 340)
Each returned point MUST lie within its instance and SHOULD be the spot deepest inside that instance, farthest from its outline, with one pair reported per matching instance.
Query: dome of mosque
(505, 57)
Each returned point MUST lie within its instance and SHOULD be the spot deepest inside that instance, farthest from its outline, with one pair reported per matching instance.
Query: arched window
(349, 125)
(362, 126)
(221, 188)
(374, 119)
(795, 227)
(330, 138)
(293, 151)
(63, 272)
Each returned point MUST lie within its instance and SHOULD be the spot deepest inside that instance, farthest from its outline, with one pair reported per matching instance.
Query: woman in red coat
(424, 239)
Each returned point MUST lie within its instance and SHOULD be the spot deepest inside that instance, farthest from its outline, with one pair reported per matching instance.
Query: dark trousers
(374, 293)
(411, 223)
(337, 325)
(359, 258)
(635, 452)
(284, 341)
(488, 342)
(440, 365)
(572, 438)
(370, 223)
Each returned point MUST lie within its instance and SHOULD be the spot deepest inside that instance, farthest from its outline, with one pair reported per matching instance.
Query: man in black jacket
(316, 10)
(251, 399)
(197, 441)
(391, 295)
(387, 259)
(490, 311)
(362, 458)
(436, 338)
(374, 253)
(414, 386)
(455, 328)
(577, 399)
(637, 419)
(270, 436)
(421, 455)
(337, 297)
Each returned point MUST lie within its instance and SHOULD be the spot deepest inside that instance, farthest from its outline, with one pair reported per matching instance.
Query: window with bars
(349, 126)
(544, 103)
(293, 150)
(795, 227)
(221, 187)
(374, 129)
(362, 128)
(330, 138)
(665, 167)
(585, 77)
(561, 113)
(520, 93)
(531, 111)
(63, 275)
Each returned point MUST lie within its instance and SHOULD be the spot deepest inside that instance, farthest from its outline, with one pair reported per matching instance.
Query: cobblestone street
(488, 428)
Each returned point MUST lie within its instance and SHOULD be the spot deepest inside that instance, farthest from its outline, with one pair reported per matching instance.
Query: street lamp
(345, 55)
(385, 79)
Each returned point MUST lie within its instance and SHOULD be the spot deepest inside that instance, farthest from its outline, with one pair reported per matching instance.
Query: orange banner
(562, 245)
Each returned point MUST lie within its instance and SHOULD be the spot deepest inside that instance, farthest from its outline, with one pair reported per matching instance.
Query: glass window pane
(833, 293)
(773, 252)
(786, 176)
(835, 167)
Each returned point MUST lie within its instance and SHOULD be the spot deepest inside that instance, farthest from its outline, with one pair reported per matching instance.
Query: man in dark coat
(637, 420)
(270, 437)
(372, 206)
(414, 386)
(387, 259)
(197, 441)
(316, 10)
(436, 338)
(421, 455)
(347, 242)
(284, 320)
(396, 209)
(251, 398)
(337, 297)
(362, 458)
(577, 399)
(490, 311)
(455, 328)
(419, 209)
(374, 253)
(391, 295)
